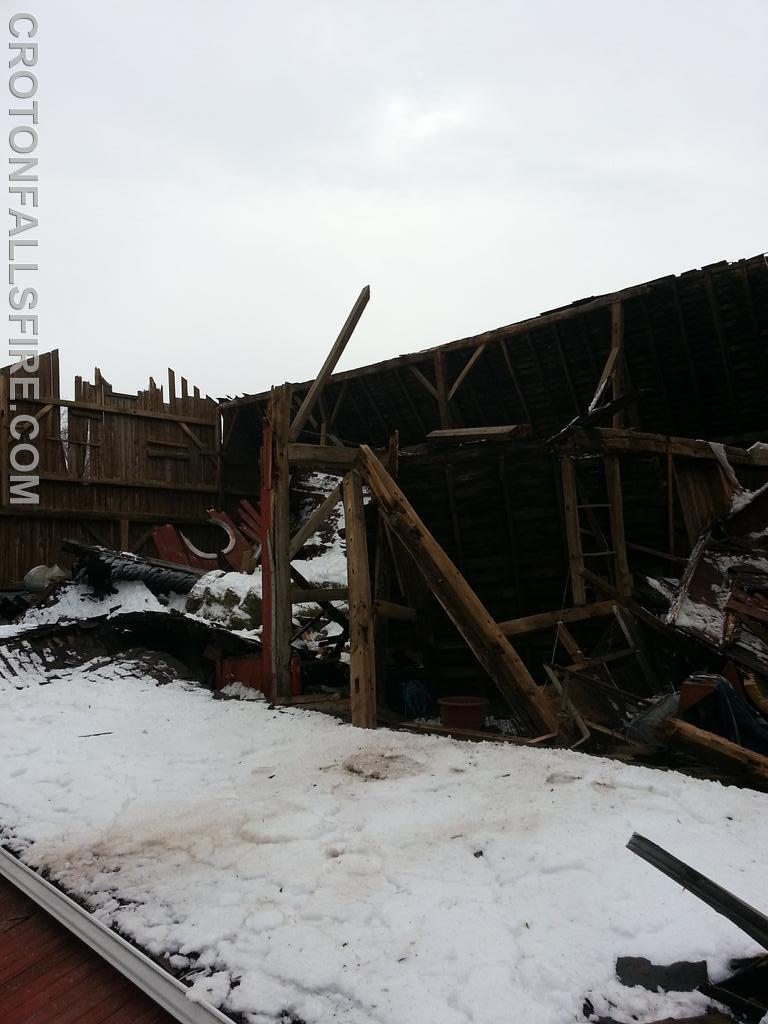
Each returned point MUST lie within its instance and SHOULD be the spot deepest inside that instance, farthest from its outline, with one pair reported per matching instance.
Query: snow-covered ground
(297, 868)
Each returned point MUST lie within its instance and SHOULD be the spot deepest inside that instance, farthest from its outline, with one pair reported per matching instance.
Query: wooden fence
(111, 466)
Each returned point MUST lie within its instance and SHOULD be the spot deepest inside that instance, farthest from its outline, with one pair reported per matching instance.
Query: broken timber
(469, 615)
(329, 365)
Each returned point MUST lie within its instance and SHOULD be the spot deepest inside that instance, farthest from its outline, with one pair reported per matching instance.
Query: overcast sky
(219, 180)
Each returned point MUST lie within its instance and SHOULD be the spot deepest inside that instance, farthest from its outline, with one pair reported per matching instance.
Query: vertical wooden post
(616, 511)
(573, 529)
(442, 390)
(617, 345)
(280, 539)
(362, 666)
(124, 535)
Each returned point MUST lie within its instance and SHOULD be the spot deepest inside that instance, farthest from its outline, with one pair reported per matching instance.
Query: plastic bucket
(463, 712)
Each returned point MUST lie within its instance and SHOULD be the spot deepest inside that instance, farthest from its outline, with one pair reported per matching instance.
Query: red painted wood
(47, 976)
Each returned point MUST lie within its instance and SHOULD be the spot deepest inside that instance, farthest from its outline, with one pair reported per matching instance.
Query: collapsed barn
(564, 520)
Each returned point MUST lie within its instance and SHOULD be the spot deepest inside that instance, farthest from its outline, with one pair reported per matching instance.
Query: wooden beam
(310, 525)
(604, 587)
(608, 439)
(87, 408)
(198, 443)
(279, 542)
(513, 432)
(616, 514)
(605, 377)
(715, 748)
(466, 611)
(362, 662)
(467, 370)
(546, 620)
(329, 365)
(322, 456)
(569, 643)
(573, 529)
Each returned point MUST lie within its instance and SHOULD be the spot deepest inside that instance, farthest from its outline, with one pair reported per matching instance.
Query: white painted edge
(167, 991)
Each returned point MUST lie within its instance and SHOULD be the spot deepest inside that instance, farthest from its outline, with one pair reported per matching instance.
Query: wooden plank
(573, 530)
(513, 432)
(715, 748)
(546, 620)
(616, 515)
(155, 485)
(319, 383)
(199, 444)
(467, 370)
(569, 643)
(466, 611)
(614, 440)
(280, 539)
(362, 662)
(605, 377)
(87, 408)
(323, 456)
(315, 519)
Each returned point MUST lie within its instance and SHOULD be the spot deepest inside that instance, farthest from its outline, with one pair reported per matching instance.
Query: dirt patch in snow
(378, 764)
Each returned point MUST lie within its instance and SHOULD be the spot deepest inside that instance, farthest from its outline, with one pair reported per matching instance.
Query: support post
(362, 668)
(279, 543)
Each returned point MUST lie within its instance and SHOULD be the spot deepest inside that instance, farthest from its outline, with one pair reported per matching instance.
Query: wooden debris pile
(571, 563)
